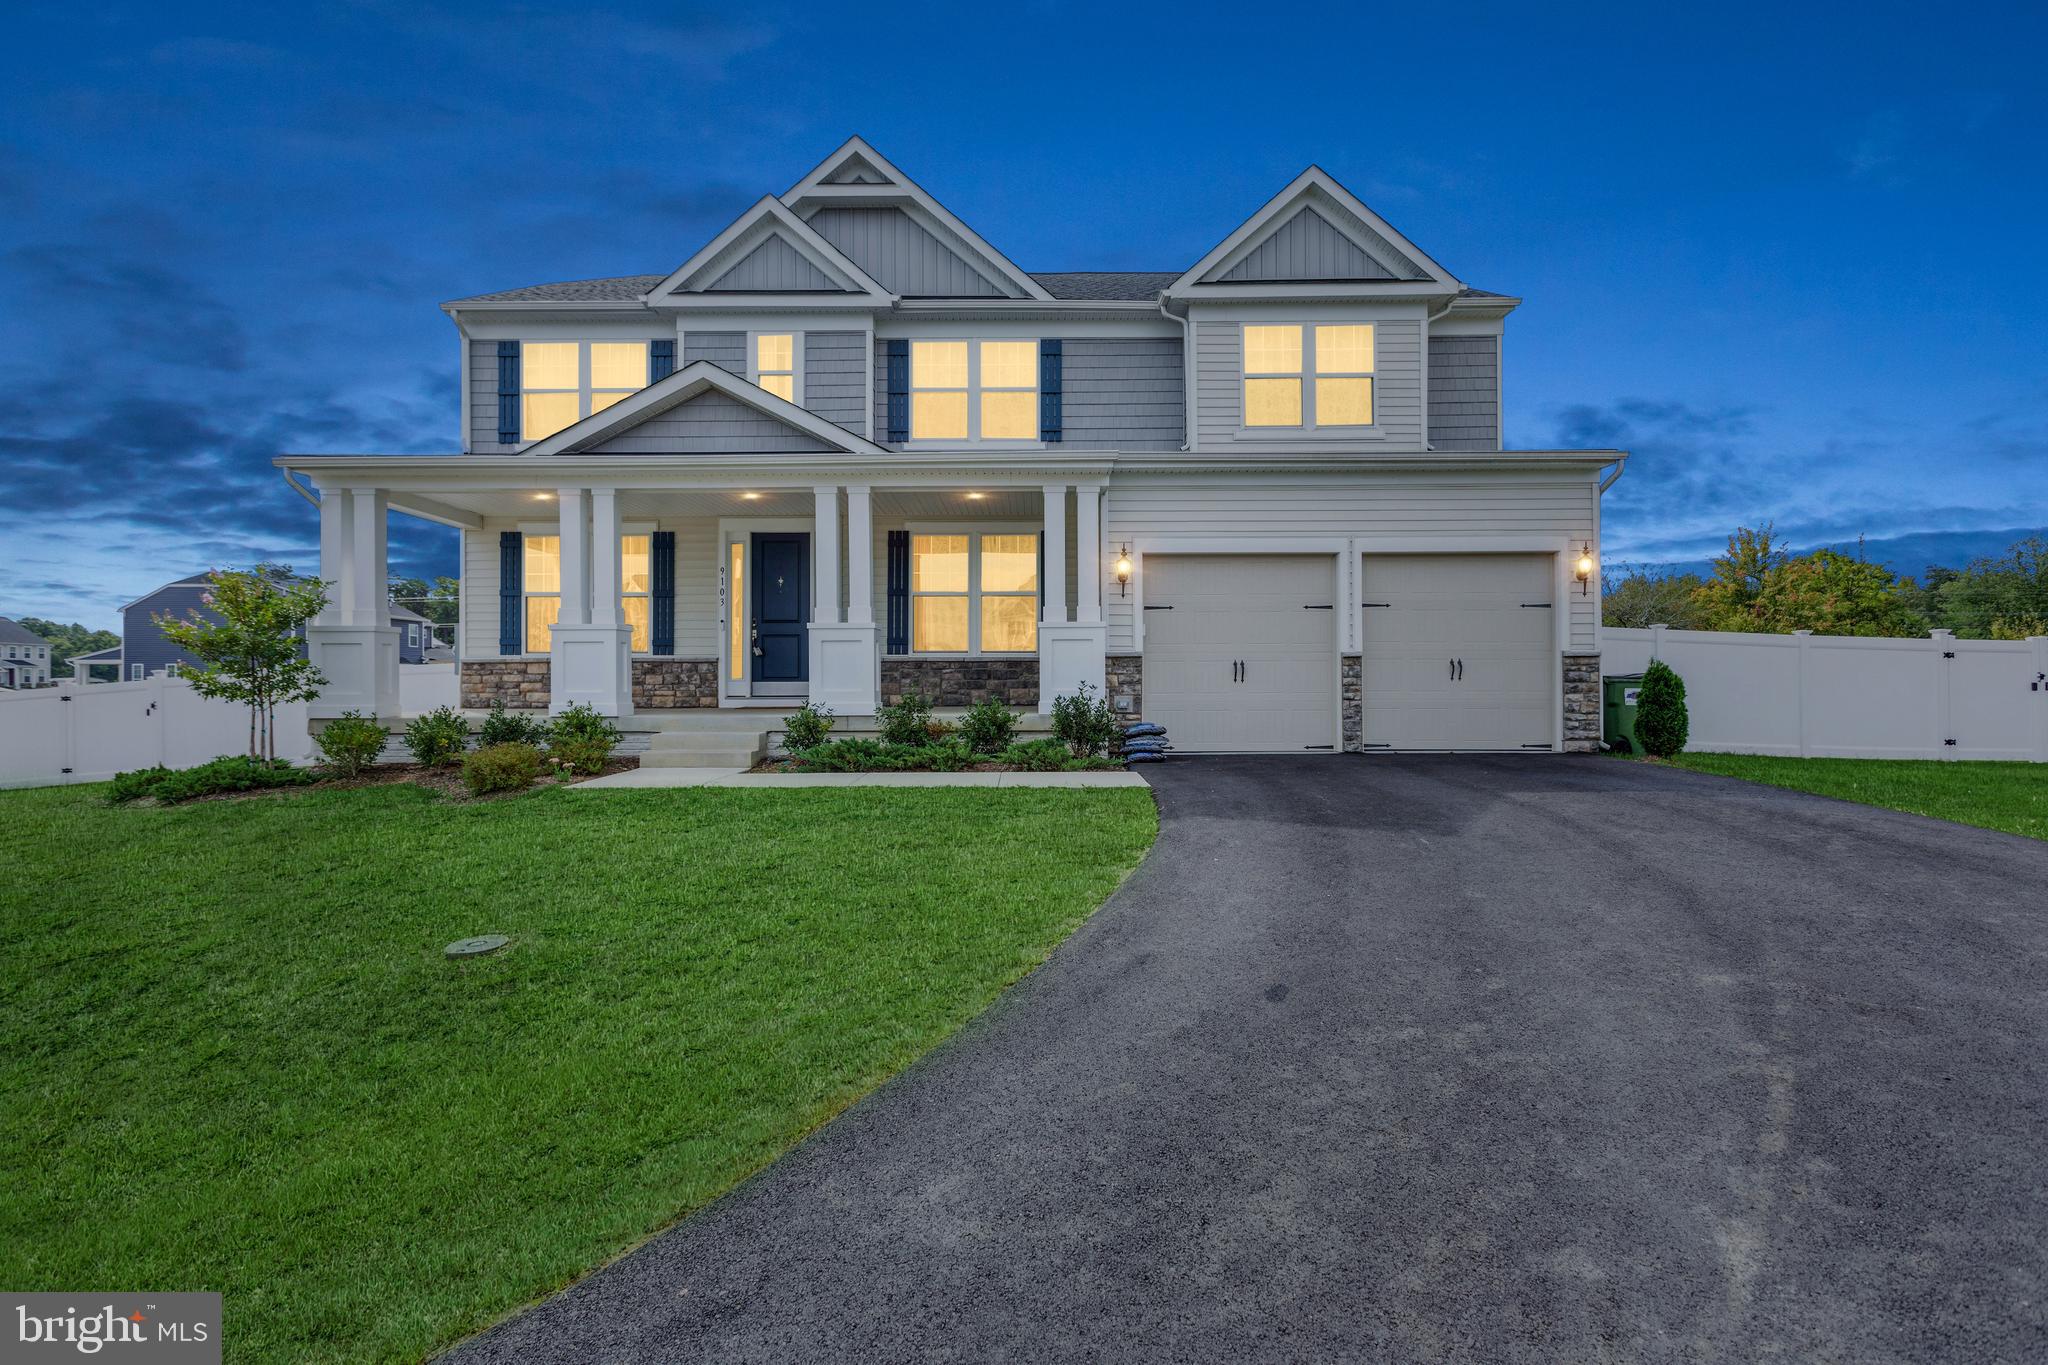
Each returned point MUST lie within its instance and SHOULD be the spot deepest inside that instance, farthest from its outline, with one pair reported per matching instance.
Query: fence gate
(87, 732)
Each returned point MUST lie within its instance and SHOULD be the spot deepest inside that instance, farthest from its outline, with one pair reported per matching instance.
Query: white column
(1088, 552)
(860, 557)
(366, 576)
(825, 557)
(1055, 587)
(574, 529)
(604, 557)
(353, 642)
(337, 509)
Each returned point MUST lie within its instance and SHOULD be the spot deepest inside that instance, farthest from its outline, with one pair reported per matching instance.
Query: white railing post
(1944, 643)
(1657, 641)
(1805, 638)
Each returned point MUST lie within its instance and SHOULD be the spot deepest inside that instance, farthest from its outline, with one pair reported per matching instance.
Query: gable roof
(798, 260)
(696, 380)
(1315, 233)
(110, 655)
(614, 289)
(15, 633)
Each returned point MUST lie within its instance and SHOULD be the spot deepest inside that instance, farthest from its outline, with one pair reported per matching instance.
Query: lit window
(562, 382)
(736, 621)
(775, 363)
(986, 390)
(542, 570)
(1277, 359)
(974, 592)
(636, 559)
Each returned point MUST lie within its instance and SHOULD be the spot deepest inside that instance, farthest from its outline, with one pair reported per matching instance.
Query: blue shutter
(508, 393)
(664, 592)
(1050, 420)
(661, 360)
(511, 601)
(898, 353)
(899, 592)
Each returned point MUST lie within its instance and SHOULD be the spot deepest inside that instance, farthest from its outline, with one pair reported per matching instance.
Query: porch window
(775, 363)
(636, 579)
(563, 382)
(974, 390)
(542, 575)
(1280, 360)
(974, 592)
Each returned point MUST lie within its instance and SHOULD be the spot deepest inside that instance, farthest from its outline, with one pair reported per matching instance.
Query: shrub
(988, 727)
(868, 756)
(1087, 725)
(907, 722)
(438, 736)
(501, 768)
(581, 723)
(843, 756)
(806, 728)
(511, 727)
(239, 773)
(350, 743)
(580, 754)
(1038, 755)
(1660, 711)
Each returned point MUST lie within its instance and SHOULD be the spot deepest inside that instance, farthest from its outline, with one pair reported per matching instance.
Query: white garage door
(1240, 652)
(1459, 651)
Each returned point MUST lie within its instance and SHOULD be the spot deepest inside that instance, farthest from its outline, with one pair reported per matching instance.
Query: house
(24, 656)
(848, 449)
(144, 650)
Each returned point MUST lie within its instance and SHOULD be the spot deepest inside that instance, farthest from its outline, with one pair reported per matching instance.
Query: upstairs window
(974, 593)
(973, 390)
(563, 382)
(1310, 377)
(775, 363)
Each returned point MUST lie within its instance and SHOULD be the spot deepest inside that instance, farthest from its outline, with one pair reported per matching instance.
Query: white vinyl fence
(1838, 696)
(422, 687)
(87, 732)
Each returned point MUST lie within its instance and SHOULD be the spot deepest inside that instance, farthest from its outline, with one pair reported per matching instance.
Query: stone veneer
(675, 684)
(962, 682)
(1583, 722)
(1125, 676)
(515, 684)
(1351, 693)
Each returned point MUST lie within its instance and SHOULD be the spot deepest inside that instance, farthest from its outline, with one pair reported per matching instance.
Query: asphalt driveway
(1464, 1059)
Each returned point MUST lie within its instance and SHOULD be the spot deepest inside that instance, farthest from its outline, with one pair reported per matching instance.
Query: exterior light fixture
(976, 497)
(542, 497)
(1583, 570)
(751, 497)
(1123, 571)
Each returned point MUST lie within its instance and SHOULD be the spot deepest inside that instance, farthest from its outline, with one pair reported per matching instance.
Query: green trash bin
(1620, 690)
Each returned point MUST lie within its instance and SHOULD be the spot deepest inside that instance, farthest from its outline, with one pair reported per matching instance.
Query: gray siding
(710, 423)
(881, 393)
(483, 399)
(1123, 393)
(1397, 383)
(835, 377)
(726, 350)
(142, 640)
(1464, 393)
(900, 254)
(1306, 247)
(773, 267)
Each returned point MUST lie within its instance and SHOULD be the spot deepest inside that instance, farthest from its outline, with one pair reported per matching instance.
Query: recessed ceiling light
(542, 497)
(976, 497)
(751, 497)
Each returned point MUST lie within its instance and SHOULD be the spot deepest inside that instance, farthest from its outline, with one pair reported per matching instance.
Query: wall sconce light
(1123, 571)
(1583, 570)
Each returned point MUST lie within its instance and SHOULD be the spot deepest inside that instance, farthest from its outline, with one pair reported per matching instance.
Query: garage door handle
(1461, 670)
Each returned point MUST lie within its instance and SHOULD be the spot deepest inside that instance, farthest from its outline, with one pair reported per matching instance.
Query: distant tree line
(66, 642)
(1758, 585)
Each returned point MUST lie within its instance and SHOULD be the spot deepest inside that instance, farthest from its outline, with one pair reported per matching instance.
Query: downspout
(1187, 377)
(1619, 465)
(308, 494)
(1427, 321)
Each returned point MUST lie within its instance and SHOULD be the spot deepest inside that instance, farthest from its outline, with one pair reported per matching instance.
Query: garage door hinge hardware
(1152, 608)
(1536, 604)
(1318, 606)
(1318, 746)
(1535, 746)
(1375, 746)
(1375, 604)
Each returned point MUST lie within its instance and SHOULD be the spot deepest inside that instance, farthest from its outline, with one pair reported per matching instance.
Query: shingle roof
(1482, 294)
(14, 633)
(1131, 285)
(616, 289)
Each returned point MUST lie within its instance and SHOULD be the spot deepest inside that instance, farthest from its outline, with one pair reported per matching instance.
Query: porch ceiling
(907, 504)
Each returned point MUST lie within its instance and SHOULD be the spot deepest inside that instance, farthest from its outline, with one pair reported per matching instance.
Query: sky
(1791, 262)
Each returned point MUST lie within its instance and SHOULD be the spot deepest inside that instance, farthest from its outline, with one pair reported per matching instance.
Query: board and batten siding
(1396, 389)
(1464, 393)
(1122, 393)
(773, 267)
(1459, 508)
(698, 615)
(899, 254)
(835, 378)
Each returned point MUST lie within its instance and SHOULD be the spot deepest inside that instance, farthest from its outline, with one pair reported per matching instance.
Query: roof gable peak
(1314, 232)
(696, 380)
(767, 249)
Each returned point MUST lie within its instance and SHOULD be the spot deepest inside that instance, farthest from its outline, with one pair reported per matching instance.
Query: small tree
(251, 655)
(1661, 722)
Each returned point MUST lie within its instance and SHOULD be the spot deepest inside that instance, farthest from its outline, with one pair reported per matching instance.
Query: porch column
(604, 557)
(337, 509)
(1088, 552)
(366, 562)
(1055, 542)
(591, 659)
(352, 642)
(825, 557)
(574, 532)
(845, 665)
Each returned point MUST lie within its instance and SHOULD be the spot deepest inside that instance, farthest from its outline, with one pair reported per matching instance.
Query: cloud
(164, 314)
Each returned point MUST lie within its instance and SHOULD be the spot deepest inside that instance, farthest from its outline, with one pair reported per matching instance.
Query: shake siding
(835, 377)
(726, 350)
(697, 610)
(483, 400)
(1464, 393)
(1122, 393)
(1455, 507)
(1397, 383)
(880, 393)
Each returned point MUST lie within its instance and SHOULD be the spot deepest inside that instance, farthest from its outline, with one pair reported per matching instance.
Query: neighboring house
(847, 449)
(24, 656)
(145, 650)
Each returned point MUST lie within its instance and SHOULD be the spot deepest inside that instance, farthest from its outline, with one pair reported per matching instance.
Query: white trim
(974, 391)
(1278, 210)
(796, 359)
(974, 531)
(742, 529)
(762, 219)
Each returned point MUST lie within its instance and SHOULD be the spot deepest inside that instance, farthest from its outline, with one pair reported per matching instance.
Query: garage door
(1240, 654)
(1459, 651)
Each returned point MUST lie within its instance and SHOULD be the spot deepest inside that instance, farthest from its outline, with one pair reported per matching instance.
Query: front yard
(2012, 797)
(234, 1058)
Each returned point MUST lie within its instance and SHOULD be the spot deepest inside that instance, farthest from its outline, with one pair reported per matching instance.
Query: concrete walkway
(1455, 1059)
(736, 777)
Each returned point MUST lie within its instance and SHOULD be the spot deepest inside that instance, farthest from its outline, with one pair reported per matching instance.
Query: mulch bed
(445, 782)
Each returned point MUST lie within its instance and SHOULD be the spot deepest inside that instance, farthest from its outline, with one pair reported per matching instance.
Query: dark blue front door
(782, 606)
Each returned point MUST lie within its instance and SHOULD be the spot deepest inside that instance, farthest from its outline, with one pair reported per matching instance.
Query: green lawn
(2006, 796)
(233, 1058)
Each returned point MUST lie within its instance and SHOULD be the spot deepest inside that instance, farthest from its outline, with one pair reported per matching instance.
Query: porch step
(703, 749)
